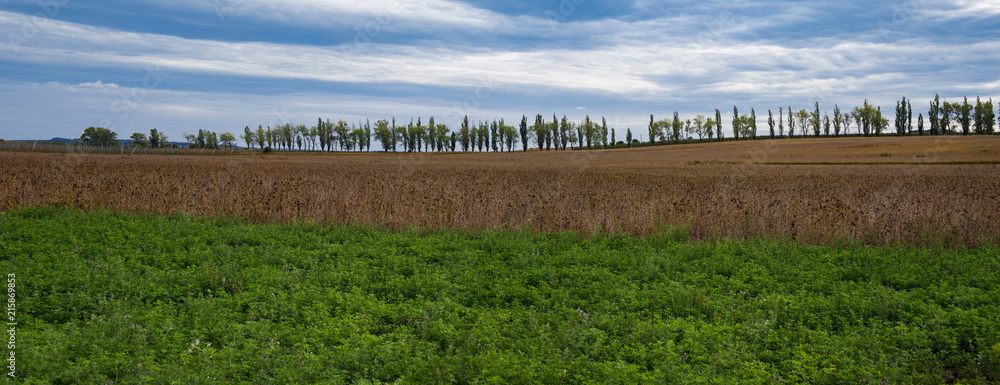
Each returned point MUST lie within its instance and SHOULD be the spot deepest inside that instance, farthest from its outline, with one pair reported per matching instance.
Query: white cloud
(381, 14)
(635, 68)
(953, 9)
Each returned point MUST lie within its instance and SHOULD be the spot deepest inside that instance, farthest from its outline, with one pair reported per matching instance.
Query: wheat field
(716, 190)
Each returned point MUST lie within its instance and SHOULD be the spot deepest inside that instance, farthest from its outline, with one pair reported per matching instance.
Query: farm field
(879, 191)
(132, 299)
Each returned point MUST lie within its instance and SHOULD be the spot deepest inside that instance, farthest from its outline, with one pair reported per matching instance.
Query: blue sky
(184, 65)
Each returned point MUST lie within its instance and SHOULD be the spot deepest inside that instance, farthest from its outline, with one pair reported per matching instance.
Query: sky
(184, 65)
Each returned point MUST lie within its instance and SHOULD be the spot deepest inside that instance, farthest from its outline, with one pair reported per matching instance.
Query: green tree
(340, 134)
(99, 136)
(934, 113)
(770, 122)
(837, 119)
(383, 134)
(870, 119)
(484, 136)
(321, 134)
(652, 131)
(604, 133)
(826, 124)
(814, 120)
(590, 130)
(302, 136)
(862, 116)
(316, 136)
(464, 134)
(989, 117)
(909, 117)
(510, 134)
(162, 140)
(846, 118)
(944, 120)
(474, 137)
(247, 137)
(978, 117)
(628, 137)
(781, 124)
(753, 123)
(901, 117)
(791, 122)
(700, 126)
(613, 138)
(964, 115)
(495, 137)
(154, 138)
(920, 123)
(540, 130)
(211, 139)
(368, 134)
(881, 123)
(565, 129)
(228, 140)
(803, 117)
(139, 139)
(524, 133)
(261, 137)
(676, 127)
(555, 131)
(430, 136)
(737, 129)
(718, 124)
(288, 133)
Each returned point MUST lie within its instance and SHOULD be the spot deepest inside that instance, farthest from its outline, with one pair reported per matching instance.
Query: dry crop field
(929, 189)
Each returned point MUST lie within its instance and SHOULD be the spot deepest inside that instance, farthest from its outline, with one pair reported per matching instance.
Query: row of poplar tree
(560, 134)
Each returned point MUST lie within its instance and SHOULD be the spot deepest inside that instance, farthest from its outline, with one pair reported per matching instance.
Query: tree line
(943, 118)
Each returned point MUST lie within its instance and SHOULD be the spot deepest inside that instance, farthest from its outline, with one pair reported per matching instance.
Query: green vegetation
(114, 297)
(98, 136)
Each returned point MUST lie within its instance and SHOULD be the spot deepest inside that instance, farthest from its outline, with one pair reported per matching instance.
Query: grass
(117, 298)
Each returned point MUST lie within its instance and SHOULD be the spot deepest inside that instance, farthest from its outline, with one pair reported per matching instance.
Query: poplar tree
(652, 131)
(836, 120)
(770, 122)
(933, 114)
(781, 122)
(718, 124)
(901, 117)
(736, 123)
(524, 132)
(791, 122)
(154, 137)
(676, 126)
(604, 132)
(815, 120)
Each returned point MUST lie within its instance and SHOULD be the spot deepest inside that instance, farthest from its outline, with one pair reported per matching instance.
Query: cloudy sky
(184, 65)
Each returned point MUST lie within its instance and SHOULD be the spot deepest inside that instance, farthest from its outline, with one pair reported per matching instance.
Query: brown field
(931, 190)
